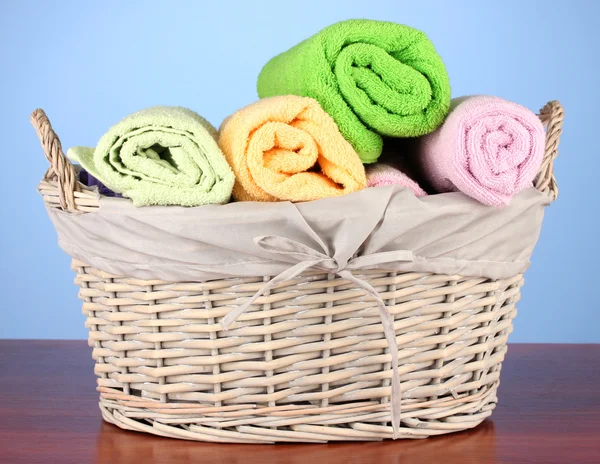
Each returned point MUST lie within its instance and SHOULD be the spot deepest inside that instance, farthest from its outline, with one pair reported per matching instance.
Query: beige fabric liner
(383, 227)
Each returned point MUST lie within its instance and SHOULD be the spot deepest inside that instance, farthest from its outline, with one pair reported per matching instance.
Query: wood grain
(549, 412)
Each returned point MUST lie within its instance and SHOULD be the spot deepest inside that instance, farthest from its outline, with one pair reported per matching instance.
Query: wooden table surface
(549, 412)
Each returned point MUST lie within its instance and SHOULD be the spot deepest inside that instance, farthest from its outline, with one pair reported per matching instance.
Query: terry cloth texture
(160, 156)
(373, 77)
(288, 148)
(488, 148)
(379, 175)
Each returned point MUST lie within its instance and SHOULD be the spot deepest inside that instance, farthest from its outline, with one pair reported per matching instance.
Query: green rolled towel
(374, 78)
(161, 156)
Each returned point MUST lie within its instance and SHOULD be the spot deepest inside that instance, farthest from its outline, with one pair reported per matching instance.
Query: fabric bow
(308, 257)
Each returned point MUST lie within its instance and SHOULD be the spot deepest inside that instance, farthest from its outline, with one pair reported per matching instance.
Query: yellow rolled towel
(288, 148)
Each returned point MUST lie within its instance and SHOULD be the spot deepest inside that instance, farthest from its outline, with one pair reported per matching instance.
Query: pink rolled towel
(382, 174)
(488, 148)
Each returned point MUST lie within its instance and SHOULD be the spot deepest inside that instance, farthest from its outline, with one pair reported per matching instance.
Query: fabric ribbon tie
(307, 258)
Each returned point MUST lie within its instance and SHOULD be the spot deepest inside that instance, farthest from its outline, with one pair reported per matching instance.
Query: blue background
(90, 64)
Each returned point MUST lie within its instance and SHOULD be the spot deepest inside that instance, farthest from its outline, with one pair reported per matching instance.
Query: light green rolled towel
(161, 156)
(373, 77)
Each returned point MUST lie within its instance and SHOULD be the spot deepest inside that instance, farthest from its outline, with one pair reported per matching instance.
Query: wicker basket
(297, 376)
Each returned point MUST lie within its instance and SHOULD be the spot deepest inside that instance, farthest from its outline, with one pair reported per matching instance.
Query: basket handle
(552, 115)
(60, 168)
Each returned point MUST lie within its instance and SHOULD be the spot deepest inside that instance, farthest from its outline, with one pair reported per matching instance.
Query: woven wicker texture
(308, 362)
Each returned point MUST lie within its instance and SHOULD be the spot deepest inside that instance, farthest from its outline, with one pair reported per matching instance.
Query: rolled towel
(160, 156)
(373, 77)
(379, 175)
(288, 148)
(488, 148)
